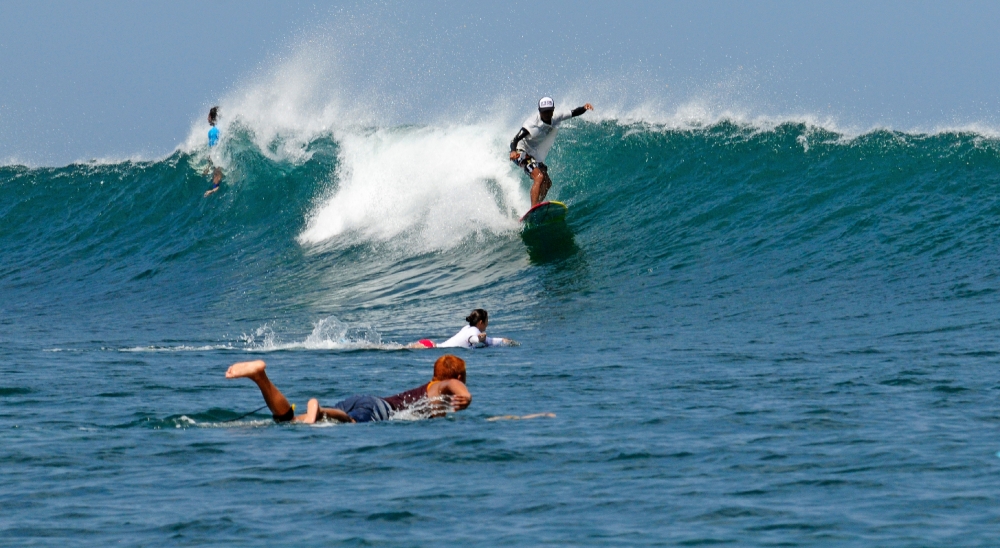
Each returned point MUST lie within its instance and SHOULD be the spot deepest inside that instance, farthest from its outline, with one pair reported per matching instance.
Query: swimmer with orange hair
(446, 389)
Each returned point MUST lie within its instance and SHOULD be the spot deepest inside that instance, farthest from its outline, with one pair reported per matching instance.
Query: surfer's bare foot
(312, 412)
(245, 369)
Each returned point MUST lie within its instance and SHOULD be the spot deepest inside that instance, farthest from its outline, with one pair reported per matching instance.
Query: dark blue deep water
(757, 337)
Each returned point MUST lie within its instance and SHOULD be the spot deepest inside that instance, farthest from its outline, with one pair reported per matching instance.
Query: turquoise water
(748, 335)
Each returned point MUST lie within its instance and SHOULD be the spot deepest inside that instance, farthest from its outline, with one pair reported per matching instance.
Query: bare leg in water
(275, 400)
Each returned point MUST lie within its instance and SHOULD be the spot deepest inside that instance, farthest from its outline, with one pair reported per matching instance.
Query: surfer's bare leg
(275, 400)
(541, 186)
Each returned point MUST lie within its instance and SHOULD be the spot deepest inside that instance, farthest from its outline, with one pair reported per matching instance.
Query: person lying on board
(532, 143)
(213, 139)
(446, 389)
(471, 336)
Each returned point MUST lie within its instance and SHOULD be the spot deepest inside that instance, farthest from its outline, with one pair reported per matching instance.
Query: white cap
(545, 103)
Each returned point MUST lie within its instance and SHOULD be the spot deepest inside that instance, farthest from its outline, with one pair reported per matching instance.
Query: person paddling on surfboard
(470, 336)
(213, 139)
(532, 143)
(445, 390)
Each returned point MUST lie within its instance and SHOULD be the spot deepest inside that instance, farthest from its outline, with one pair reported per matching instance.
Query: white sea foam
(431, 186)
(423, 409)
(179, 348)
(436, 185)
(349, 73)
(327, 334)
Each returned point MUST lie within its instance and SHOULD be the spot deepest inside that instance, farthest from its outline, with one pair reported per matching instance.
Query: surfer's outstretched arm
(501, 341)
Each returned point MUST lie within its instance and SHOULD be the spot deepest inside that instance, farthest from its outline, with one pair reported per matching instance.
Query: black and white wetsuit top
(541, 135)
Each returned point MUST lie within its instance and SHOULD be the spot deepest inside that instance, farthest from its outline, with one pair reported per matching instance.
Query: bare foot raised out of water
(245, 369)
(312, 412)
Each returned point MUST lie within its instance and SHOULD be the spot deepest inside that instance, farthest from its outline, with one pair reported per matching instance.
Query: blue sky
(115, 79)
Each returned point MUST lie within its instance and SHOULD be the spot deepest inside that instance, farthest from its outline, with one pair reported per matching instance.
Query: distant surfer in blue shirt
(532, 143)
(213, 139)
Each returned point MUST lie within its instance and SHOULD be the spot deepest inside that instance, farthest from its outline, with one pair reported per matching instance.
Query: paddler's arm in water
(456, 389)
(495, 341)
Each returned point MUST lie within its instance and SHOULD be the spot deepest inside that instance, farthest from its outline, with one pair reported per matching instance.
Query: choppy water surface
(748, 335)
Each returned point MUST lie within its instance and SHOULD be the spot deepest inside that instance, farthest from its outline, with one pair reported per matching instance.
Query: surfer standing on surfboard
(213, 139)
(532, 143)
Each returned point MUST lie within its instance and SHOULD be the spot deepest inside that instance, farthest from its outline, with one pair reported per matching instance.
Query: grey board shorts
(365, 408)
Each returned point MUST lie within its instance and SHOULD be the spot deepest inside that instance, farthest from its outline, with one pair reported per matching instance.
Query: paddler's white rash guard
(468, 337)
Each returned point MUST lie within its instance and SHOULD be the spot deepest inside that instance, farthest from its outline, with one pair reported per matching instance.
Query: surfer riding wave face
(531, 145)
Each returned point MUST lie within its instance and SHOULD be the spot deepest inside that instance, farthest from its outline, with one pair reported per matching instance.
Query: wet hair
(477, 316)
(213, 115)
(449, 367)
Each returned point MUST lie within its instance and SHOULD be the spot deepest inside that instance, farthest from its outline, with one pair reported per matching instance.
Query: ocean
(749, 334)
